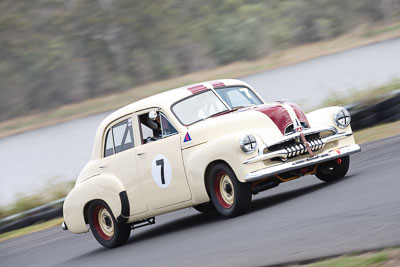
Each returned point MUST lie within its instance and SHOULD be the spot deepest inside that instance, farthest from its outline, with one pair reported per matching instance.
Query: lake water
(309, 82)
(31, 160)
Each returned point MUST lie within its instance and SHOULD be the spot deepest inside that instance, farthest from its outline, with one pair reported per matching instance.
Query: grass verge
(31, 229)
(385, 258)
(377, 132)
(238, 69)
(368, 96)
(24, 202)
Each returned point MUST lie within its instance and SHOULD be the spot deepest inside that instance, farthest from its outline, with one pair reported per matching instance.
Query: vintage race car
(210, 146)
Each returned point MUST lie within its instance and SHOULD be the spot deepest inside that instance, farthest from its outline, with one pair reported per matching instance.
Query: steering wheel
(150, 139)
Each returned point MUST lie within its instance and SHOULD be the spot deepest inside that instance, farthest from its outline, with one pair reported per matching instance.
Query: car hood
(268, 121)
(282, 114)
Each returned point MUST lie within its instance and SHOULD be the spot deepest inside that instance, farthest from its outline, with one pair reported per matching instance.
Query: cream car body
(151, 177)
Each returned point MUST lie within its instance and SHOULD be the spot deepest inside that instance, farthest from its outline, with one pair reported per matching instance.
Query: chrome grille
(300, 149)
(295, 147)
(291, 146)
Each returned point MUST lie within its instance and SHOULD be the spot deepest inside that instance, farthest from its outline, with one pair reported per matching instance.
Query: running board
(145, 222)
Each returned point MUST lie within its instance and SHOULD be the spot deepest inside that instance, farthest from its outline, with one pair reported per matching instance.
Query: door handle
(140, 153)
(102, 167)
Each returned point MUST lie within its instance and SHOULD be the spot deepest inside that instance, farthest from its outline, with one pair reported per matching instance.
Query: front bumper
(289, 166)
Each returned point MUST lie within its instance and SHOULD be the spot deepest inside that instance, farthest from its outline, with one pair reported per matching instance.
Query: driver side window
(153, 129)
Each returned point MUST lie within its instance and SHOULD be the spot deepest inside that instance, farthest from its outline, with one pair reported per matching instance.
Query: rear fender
(105, 187)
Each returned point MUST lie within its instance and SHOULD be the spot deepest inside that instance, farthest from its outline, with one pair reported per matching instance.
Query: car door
(159, 161)
(119, 160)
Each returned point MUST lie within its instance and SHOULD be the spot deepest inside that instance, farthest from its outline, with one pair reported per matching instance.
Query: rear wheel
(229, 196)
(334, 169)
(105, 228)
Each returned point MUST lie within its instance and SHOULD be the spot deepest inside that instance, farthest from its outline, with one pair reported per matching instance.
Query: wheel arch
(106, 188)
(208, 169)
(228, 202)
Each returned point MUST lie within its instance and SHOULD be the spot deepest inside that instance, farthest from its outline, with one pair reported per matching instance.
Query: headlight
(248, 143)
(342, 118)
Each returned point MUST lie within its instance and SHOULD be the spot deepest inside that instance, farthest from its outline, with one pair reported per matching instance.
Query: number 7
(158, 163)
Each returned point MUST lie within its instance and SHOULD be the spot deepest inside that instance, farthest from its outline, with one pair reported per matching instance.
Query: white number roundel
(161, 171)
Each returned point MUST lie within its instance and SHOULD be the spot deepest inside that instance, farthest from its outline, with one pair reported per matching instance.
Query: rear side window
(119, 138)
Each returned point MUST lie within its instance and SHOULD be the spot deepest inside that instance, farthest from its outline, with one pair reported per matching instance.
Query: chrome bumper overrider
(289, 166)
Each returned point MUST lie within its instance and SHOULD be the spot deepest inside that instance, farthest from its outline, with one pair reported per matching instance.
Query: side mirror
(153, 115)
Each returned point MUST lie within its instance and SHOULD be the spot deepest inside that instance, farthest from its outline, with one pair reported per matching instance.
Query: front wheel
(229, 196)
(205, 207)
(105, 228)
(334, 169)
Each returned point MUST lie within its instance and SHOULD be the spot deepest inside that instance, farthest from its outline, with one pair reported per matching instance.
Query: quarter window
(166, 126)
(109, 148)
(119, 138)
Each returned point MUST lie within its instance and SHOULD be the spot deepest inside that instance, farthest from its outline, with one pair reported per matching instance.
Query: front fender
(226, 149)
(324, 118)
(104, 186)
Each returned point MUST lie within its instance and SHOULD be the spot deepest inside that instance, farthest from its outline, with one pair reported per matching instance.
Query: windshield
(238, 96)
(198, 107)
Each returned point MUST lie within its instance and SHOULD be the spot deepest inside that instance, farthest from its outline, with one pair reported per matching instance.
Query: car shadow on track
(279, 198)
(170, 227)
(177, 225)
(202, 219)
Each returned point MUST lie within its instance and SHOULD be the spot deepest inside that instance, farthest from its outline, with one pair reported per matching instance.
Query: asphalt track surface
(299, 220)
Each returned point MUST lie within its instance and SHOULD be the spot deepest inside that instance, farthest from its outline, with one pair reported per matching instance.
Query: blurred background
(66, 59)
(55, 52)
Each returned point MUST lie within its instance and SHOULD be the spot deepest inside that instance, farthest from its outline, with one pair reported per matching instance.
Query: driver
(153, 122)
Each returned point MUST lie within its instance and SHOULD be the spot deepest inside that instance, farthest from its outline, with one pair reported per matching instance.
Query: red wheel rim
(226, 197)
(96, 214)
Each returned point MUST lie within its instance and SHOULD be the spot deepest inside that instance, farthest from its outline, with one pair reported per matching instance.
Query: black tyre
(229, 196)
(105, 228)
(205, 207)
(334, 169)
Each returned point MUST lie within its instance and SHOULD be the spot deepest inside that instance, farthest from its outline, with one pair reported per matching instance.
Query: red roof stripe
(217, 84)
(197, 88)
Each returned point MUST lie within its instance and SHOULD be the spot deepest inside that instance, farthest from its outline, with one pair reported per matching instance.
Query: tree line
(54, 52)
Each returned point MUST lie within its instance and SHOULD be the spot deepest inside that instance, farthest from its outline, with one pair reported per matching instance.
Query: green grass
(369, 95)
(370, 259)
(377, 132)
(375, 32)
(25, 202)
(31, 229)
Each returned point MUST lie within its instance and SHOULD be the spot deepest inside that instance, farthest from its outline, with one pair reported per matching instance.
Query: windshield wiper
(219, 113)
(246, 106)
(222, 112)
